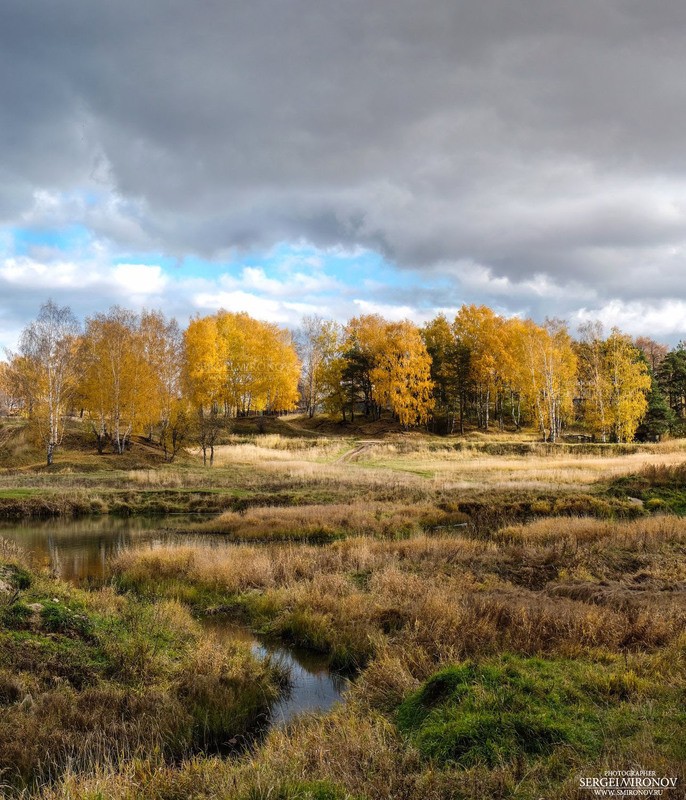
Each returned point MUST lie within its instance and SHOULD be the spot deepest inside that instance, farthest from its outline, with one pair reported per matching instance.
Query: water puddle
(314, 686)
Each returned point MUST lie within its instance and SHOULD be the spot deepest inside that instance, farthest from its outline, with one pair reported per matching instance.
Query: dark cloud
(530, 138)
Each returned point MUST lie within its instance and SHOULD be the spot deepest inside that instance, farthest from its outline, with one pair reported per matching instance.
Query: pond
(77, 550)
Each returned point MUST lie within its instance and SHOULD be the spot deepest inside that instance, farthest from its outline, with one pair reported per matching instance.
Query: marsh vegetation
(512, 614)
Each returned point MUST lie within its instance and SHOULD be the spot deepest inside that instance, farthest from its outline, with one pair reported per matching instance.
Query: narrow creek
(77, 550)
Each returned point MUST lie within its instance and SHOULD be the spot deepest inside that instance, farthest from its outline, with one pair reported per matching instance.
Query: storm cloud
(529, 154)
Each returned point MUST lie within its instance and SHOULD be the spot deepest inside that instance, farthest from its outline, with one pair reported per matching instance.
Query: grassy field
(513, 614)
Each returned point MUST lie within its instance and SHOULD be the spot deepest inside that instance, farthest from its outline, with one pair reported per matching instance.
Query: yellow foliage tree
(629, 381)
(363, 339)
(381, 365)
(482, 333)
(259, 365)
(118, 380)
(233, 365)
(401, 374)
(614, 382)
(545, 364)
(203, 380)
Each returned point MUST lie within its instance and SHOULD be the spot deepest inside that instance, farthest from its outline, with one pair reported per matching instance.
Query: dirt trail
(359, 448)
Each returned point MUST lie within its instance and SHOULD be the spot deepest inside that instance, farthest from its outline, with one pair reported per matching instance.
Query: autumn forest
(128, 373)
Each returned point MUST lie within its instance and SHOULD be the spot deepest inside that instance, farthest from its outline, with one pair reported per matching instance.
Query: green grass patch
(513, 708)
(662, 488)
(20, 494)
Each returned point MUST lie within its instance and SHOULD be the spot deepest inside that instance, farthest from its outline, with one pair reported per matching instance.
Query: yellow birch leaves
(240, 364)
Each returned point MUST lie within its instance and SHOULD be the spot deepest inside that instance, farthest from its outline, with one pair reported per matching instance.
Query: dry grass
(235, 568)
(412, 463)
(398, 599)
(356, 752)
(647, 533)
(466, 469)
(274, 470)
(253, 449)
(91, 679)
(327, 522)
(449, 597)
(609, 596)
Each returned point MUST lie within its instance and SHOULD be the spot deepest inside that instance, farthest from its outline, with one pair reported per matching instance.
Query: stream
(77, 550)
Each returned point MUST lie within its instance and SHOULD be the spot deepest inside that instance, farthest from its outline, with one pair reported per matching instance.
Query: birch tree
(45, 372)
(318, 343)
(118, 379)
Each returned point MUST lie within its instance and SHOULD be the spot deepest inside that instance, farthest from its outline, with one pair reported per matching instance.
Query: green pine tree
(659, 417)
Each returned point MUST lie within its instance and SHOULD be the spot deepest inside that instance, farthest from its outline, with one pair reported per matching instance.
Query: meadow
(512, 616)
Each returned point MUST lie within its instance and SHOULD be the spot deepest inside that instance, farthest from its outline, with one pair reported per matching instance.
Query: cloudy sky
(345, 156)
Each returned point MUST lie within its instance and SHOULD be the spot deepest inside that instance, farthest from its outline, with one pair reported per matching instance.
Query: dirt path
(350, 455)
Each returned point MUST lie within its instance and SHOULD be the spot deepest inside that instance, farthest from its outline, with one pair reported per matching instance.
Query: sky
(286, 158)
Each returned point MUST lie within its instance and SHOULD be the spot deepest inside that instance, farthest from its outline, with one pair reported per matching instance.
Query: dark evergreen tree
(659, 418)
(356, 383)
(671, 377)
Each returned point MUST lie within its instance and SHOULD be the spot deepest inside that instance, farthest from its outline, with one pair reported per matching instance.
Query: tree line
(126, 373)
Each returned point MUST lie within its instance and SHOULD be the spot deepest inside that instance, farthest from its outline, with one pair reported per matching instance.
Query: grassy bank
(66, 501)
(88, 678)
(306, 469)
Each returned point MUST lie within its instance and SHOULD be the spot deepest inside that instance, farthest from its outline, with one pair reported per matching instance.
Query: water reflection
(313, 686)
(78, 549)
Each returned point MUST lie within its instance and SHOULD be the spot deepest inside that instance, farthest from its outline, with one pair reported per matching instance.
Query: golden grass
(412, 463)
(322, 522)
(600, 585)
(465, 469)
(647, 533)
(236, 567)
(606, 593)
(409, 469)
